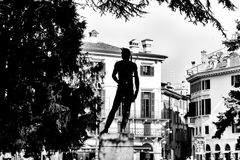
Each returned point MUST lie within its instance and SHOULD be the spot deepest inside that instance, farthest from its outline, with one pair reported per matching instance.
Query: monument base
(116, 146)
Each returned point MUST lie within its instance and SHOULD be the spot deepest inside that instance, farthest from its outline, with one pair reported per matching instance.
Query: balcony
(141, 132)
(197, 69)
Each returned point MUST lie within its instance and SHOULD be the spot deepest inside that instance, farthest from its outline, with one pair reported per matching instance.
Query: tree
(232, 102)
(196, 11)
(231, 115)
(234, 43)
(47, 83)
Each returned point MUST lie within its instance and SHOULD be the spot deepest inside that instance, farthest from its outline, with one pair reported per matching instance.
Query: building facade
(175, 107)
(145, 123)
(210, 81)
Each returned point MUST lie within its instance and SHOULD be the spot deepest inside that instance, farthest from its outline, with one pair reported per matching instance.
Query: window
(146, 70)
(235, 128)
(195, 87)
(202, 107)
(206, 106)
(201, 110)
(192, 109)
(196, 108)
(235, 81)
(206, 129)
(147, 105)
(201, 85)
(147, 129)
(166, 110)
(205, 84)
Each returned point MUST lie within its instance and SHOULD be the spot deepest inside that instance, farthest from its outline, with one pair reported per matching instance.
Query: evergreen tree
(196, 11)
(46, 82)
(231, 115)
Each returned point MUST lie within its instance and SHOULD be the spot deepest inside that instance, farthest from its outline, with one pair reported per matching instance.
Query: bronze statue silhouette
(123, 73)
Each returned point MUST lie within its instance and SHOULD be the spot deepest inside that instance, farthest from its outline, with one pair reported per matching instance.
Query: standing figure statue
(126, 93)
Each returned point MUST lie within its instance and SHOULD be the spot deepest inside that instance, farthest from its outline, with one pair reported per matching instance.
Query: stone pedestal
(115, 147)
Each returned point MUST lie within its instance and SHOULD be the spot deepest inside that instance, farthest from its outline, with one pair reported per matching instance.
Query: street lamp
(164, 149)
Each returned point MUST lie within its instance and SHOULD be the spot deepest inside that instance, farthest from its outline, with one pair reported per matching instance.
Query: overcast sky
(172, 35)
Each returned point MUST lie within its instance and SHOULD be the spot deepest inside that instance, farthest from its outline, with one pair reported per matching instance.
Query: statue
(123, 73)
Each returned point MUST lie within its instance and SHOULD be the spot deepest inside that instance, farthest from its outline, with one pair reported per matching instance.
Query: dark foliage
(227, 118)
(195, 10)
(234, 43)
(46, 82)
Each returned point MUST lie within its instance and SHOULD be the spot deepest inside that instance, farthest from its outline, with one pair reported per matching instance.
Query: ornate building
(210, 81)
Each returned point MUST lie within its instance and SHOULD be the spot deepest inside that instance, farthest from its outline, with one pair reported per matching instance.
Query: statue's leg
(126, 113)
(116, 104)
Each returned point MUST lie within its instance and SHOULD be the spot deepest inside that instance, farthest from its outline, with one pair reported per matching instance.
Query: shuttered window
(147, 104)
(146, 70)
(147, 129)
(207, 106)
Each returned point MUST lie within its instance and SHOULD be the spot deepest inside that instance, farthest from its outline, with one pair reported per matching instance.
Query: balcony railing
(141, 132)
(197, 69)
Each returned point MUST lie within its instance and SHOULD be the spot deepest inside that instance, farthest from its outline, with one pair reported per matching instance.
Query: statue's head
(126, 53)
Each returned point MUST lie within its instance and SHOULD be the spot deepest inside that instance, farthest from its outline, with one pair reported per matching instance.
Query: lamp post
(164, 149)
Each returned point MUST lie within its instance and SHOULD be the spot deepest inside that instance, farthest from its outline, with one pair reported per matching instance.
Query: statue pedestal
(115, 147)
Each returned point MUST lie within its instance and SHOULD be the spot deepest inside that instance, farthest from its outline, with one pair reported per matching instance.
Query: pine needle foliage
(231, 115)
(196, 11)
(46, 81)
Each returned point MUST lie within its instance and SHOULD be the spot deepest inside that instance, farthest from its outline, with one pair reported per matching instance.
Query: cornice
(137, 56)
(171, 93)
(213, 73)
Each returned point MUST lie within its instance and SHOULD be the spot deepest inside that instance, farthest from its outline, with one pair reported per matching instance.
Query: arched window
(217, 148)
(208, 152)
(146, 154)
(148, 146)
(208, 148)
(227, 154)
(217, 154)
(227, 147)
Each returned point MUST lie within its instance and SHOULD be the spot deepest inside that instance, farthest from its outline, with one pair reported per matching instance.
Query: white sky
(172, 35)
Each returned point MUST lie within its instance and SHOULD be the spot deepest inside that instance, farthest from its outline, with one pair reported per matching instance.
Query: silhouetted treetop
(196, 11)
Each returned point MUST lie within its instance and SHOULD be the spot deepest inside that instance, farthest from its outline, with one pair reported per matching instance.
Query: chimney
(134, 46)
(93, 36)
(147, 45)
(193, 63)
